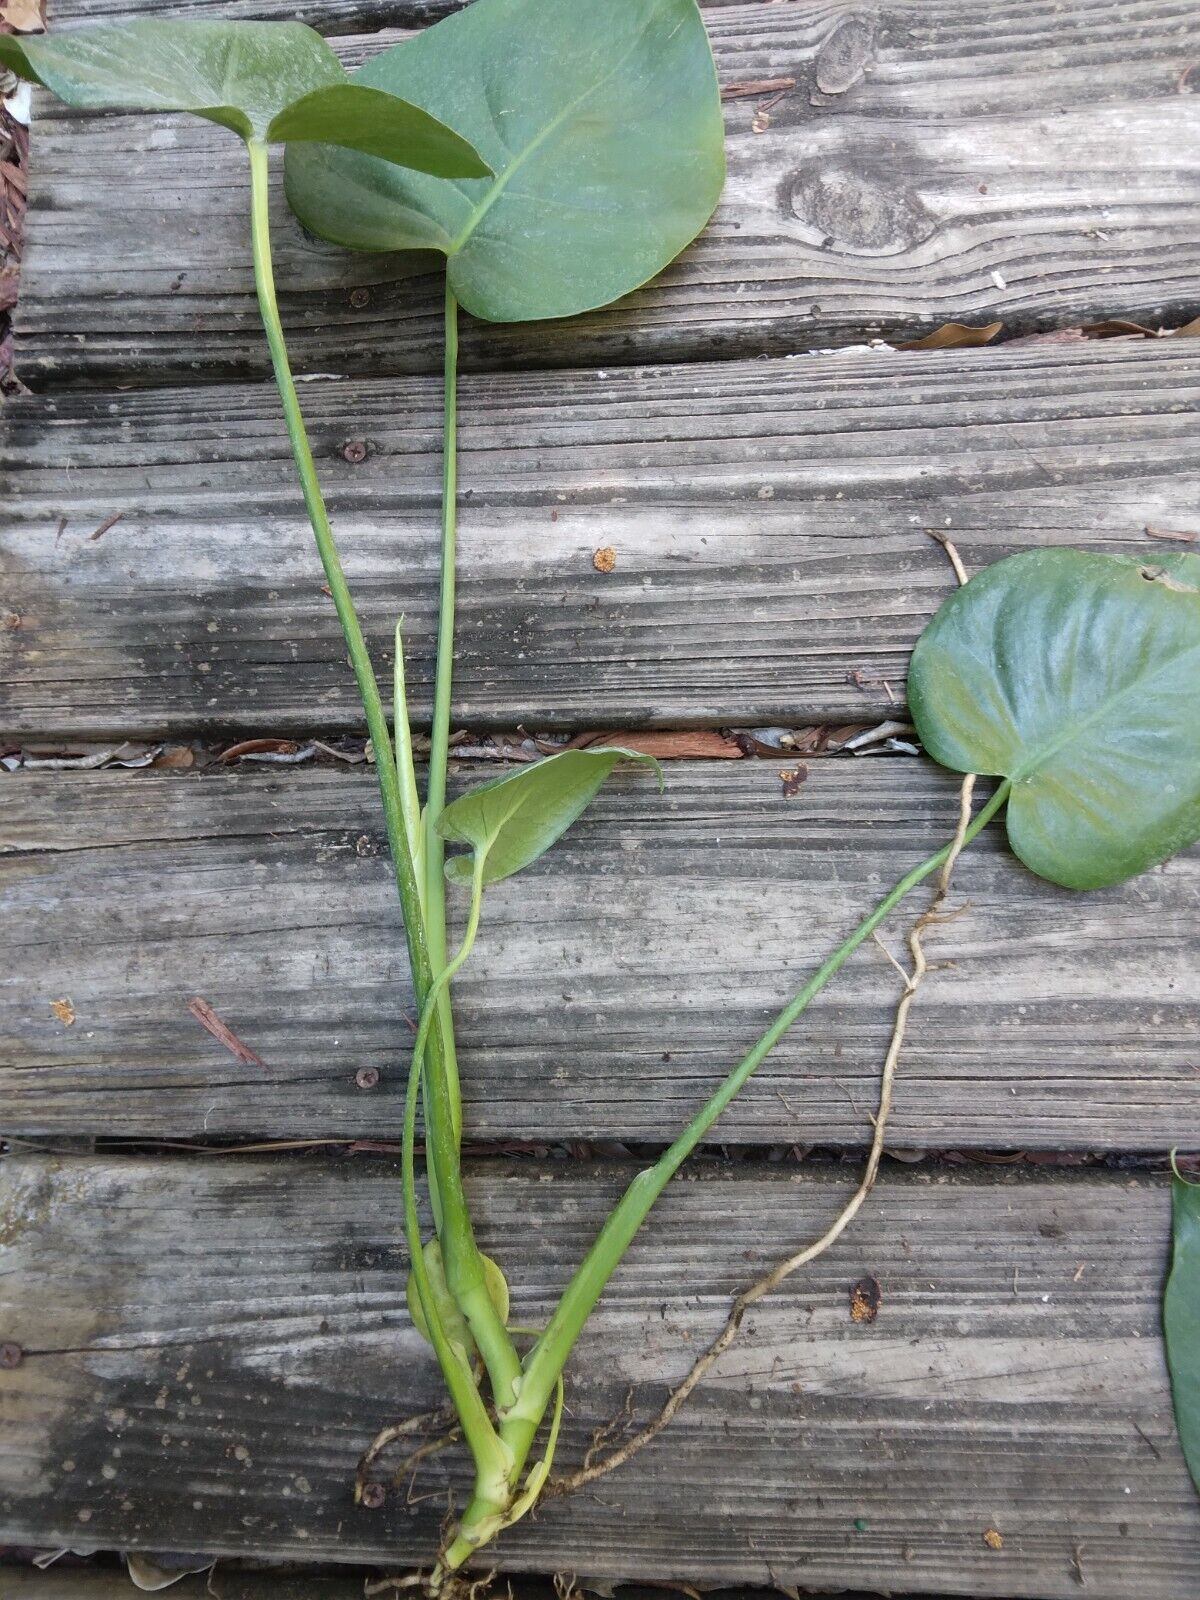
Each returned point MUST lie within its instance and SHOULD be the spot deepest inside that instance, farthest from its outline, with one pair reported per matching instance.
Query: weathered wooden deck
(208, 1337)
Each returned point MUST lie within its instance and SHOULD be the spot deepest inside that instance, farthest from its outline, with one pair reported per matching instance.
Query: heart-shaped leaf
(1181, 1319)
(515, 819)
(602, 122)
(273, 81)
(1077, 676)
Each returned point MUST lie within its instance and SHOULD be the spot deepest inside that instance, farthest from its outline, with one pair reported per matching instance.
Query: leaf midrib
(535, 144)
(1068, 735)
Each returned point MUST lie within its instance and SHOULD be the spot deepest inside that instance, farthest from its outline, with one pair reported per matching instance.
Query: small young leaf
(517, 818)
(453, 1322)
(273, 81)
(1181, 1319)
(602, 121)
(1077, 676)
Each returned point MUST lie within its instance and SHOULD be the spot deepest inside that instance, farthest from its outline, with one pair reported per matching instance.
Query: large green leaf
(515, 819)
(273, 81)
(602, 120)
(1078, 677)
(1181, 1319)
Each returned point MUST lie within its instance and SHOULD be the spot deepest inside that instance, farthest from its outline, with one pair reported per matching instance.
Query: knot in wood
(851, 208)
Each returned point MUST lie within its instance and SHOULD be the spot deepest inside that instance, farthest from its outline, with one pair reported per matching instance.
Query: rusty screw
(373, 1496)
(11, 1355)
(367, 1077)
(359, 298)
(355, 450)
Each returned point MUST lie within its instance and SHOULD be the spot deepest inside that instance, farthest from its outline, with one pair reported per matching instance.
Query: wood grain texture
(1035, 163)
(211, 1344)
(614, 984)
(228, 1581)
(768, 518)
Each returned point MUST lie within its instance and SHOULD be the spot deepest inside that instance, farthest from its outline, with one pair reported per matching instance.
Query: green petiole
(464, 1267)
(544, 1364)
(360, 660)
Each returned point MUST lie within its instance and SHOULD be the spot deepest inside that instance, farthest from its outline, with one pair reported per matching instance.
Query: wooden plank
(225, 1583)
(211, 1344)
(1036, 164)
(614, 983)
(230, 1582)
(803, 488)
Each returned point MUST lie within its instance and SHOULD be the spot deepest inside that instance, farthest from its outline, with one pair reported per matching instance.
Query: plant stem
(360, 660)
(439, 742)
(493, 1461)
(546, 1360)
(462, 1254)
(406, 775)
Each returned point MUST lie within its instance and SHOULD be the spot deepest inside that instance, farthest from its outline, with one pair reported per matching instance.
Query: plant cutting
(1068, 678)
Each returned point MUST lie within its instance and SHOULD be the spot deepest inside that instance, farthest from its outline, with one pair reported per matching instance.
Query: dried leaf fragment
(866, 1297)
(697, 744)
(64, 1011)
(954, 336)
(176, 756)
(209, 1020)
(23, 16)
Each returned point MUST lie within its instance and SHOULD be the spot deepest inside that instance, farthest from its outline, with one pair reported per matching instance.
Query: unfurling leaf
(273, 81)
(1181, 1319)
(602, 122)
(1077, 676)
(515, 819)
(453, 1322)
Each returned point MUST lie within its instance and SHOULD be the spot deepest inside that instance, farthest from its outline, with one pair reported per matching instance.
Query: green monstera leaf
(515, 819)
(602, 122)
(1181, 1318)
(270, 81)
(1077, 676)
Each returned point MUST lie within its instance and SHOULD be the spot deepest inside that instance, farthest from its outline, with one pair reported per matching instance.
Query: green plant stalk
(460, 1255)
(470, 1288)
(544, 1363)
(406, 775)
(360, 660)
(439, 738)
(493, 1459)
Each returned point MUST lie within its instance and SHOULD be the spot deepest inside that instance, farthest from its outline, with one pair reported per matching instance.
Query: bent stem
(462, 1254)
(545, 1362)
(493, 1459)
(360, 660)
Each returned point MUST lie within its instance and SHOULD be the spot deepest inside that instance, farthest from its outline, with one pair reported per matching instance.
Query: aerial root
(440, 1417)
(932, 915)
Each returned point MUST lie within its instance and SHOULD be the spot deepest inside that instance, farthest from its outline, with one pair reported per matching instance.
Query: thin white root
(592, 1469)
